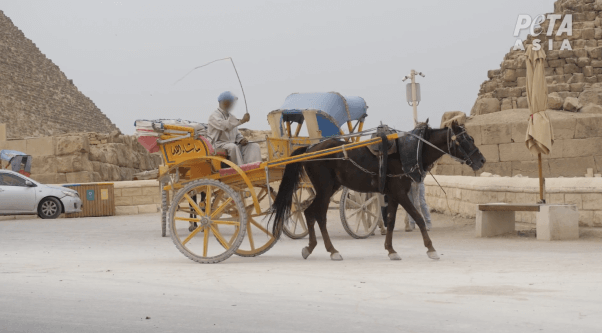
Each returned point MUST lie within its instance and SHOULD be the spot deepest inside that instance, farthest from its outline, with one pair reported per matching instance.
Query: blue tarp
(332, 104)
(7, 155)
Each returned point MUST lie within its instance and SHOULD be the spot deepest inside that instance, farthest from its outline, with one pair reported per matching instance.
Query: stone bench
(553, 222)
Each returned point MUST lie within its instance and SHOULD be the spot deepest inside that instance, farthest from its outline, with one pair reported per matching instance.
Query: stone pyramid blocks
(36, 98)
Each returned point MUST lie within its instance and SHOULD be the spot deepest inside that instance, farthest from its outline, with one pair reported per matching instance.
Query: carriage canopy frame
(324, 114)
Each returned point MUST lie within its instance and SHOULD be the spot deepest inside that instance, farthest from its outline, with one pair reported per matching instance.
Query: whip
(235, 71)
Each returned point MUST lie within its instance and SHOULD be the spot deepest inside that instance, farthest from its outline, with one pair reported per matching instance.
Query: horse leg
(321, 209)
(382, 223)
(312, 235)
(391, 215)
(321, 219)
(334, 254)
(406, 203)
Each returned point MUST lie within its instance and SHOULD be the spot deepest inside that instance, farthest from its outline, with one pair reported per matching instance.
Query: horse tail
(284, 200)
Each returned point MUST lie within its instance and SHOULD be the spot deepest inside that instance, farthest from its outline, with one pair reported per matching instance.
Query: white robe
(223, 132)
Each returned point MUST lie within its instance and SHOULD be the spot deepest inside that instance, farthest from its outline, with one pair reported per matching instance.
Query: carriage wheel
(164, 209)
(259, 236)
(221, 220)
(360, 213)
(173, 178)
(296, 228)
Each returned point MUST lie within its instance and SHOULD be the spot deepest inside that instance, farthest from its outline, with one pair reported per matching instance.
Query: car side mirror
(29, 183)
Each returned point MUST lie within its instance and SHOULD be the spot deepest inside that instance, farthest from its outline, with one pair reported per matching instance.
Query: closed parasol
(540, 136)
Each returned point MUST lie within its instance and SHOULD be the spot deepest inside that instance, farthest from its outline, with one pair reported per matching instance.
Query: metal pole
(414, 101)
(541, 180)
(414, 98)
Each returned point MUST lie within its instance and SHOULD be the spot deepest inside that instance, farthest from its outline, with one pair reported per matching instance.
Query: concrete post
(557, 222)
(414, 97)
(494, 223)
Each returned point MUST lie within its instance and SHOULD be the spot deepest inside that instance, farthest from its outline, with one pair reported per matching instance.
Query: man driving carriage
(223, 132)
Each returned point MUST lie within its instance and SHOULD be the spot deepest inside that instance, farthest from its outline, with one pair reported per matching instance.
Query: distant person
(222, 129)
(417, 196)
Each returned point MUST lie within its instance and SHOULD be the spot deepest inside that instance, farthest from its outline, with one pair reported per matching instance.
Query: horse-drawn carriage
(15, 161)
(218, 208)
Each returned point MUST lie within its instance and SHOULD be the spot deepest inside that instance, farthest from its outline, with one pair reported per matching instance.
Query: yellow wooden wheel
(221, 219)
(259, 238)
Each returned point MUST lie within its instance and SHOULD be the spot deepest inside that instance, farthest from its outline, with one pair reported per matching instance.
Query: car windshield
(6, 179)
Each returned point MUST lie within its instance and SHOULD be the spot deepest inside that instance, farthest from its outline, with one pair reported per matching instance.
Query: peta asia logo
(535, 29)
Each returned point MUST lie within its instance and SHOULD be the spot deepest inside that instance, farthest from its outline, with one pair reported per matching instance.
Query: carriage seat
(245, 167)
(212, 150)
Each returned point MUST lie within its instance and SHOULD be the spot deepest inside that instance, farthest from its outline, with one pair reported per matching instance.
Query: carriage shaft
(321, 153)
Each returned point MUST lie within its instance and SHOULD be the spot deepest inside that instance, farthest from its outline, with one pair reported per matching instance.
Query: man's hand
(245, 118)
(244, 141)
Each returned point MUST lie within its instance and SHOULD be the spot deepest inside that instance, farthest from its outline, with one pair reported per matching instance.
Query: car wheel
(49, 208)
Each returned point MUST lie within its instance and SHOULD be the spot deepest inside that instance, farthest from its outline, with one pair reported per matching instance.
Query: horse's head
(461, 146)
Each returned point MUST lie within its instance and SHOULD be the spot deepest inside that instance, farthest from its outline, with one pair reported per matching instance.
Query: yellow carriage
(218, 208)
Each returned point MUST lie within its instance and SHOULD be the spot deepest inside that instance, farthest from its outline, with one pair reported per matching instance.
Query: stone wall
(84, 157)
(574, 76)
(36, 98)
(501, 138)
(137, 197)
(465, 193)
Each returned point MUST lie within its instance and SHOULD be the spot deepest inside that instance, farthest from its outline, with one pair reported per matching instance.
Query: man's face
(226, 105)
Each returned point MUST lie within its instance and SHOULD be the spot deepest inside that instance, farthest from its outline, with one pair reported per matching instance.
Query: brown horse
(327, 176)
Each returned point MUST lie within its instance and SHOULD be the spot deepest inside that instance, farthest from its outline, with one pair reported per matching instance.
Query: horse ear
(427, 121)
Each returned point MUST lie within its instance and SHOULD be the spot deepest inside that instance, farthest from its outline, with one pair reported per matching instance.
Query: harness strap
(448, 145)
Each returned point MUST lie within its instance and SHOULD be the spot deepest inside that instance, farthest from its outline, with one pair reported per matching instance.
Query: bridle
(452, 142)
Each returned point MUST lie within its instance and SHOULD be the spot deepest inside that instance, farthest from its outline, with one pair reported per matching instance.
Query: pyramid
(36, 98)
(574, 77)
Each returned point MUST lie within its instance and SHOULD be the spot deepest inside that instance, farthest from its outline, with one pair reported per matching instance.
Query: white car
(22, 195)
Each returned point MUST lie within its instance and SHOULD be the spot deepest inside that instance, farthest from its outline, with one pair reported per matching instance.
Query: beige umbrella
(540, 135)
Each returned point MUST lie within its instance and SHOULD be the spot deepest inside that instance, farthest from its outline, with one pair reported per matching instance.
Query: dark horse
(327, 176)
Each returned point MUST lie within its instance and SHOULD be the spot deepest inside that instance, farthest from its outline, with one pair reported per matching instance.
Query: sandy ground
(111, 274)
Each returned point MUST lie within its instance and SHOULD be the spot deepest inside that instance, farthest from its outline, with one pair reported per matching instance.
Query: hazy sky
(126, 55)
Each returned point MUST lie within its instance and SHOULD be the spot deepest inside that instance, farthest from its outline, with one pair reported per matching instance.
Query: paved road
(110, 274)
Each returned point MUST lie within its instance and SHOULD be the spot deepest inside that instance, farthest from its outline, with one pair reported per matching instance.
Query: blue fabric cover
(7, 155)
(330, 103)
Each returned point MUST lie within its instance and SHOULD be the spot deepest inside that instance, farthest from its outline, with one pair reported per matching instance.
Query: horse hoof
(394, 256)
(336, 256)
(191, 228)
(433, 255)
(305, 253)
(383, 231)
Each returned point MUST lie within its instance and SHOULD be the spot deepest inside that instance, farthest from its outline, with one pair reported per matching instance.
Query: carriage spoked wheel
(259, 238)
(296, 227)
(164, 209)
(221, 219)
(172, 178)
(360, 213)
